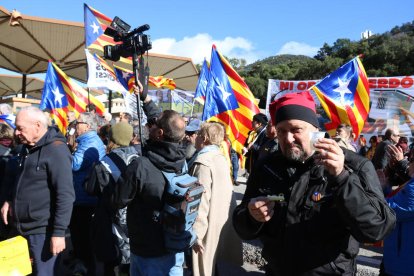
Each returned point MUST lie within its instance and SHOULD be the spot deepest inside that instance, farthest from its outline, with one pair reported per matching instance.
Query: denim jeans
(170, 264)
(235, 166)
(43, 260)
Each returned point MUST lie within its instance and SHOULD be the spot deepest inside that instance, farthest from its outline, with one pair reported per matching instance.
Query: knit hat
(261, 118)
(121, 134)
(299, 106)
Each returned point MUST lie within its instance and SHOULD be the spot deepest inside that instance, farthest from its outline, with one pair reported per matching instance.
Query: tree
(236, 63)
(257, 85)
(324, 52)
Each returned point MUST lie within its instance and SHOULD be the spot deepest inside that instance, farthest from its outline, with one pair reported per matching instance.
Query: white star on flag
(58, 96)
(343, 89)
(223, 90)
(95, 28)
(125, 75)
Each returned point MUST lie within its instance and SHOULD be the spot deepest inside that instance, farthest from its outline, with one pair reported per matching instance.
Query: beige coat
(213, 225)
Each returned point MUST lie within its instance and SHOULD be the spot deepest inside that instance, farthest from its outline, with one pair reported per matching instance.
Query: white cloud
(198, 47)
(298, 48)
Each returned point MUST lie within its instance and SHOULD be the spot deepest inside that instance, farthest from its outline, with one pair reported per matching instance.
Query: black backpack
(110, 235)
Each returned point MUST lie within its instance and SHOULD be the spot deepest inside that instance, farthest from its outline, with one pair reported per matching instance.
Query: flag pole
(136, 69)
(192, 108)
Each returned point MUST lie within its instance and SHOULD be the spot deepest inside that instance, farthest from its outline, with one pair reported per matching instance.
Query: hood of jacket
(166, 156)
(52, 135)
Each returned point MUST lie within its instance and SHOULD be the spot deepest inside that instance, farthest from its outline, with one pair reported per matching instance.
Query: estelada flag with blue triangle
(95, 24)
(62, 94)
(229, 100)
(200, 92)
(344, 95)
(127, 79)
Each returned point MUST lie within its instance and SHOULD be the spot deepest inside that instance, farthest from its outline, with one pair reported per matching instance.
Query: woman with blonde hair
(213, 225)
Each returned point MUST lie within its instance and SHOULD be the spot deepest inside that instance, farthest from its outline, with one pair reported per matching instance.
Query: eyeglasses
(78, 123)
(396, 135)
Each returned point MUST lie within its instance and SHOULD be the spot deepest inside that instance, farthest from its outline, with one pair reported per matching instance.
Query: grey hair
(5, 109)
(90, 119)
(35, 113)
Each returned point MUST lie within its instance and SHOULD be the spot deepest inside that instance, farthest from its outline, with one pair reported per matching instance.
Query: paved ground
(369, 258)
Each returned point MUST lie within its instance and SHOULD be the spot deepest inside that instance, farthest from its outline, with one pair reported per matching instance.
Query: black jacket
(5, 155)
(106, 246)
(40, 186)
(253, 154)
(307, 236)
(380, 158)
(141, 187)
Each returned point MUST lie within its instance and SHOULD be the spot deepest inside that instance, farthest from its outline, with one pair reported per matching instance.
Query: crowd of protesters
(99, 185)
(310, 205)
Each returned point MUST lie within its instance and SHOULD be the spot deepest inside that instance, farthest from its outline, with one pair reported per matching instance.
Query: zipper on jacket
(22, 163)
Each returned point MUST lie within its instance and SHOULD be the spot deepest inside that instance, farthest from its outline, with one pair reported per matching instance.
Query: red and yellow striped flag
(161, 82)
(61, 94)
(344, 95)
(95, 26)
(238, 121)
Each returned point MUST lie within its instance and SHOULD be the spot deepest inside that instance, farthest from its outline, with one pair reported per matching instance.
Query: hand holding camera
(330, 155)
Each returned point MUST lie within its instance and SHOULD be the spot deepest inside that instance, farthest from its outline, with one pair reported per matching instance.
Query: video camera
(132, 42)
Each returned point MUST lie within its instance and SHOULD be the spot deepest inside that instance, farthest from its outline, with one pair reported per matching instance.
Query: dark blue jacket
(40, 186)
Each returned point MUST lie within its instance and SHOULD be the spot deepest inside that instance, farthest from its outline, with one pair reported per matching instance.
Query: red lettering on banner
(407, 82)
(302, 86)
(394, 83)
(372, 83)
(382, 83)
(284, 85)
(311, 83)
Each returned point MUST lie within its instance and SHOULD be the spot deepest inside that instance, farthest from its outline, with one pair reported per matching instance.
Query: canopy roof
(12, 85)
(27, 47)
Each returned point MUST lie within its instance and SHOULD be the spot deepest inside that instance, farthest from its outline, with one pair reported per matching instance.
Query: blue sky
(243, 29)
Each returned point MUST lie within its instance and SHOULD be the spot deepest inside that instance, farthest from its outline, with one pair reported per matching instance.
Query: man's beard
(295, 154)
